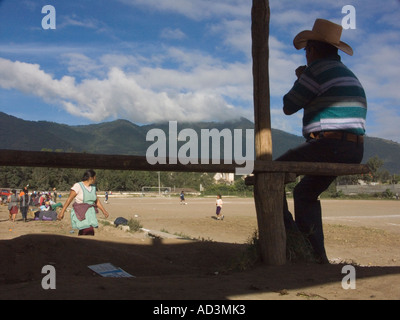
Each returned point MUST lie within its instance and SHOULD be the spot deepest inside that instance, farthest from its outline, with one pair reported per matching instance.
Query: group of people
(21, 202)
(40, 198)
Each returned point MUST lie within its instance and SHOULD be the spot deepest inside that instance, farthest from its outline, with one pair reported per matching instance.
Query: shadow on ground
(163, 270)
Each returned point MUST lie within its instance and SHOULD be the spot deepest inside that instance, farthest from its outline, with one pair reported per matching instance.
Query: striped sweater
(332, 98)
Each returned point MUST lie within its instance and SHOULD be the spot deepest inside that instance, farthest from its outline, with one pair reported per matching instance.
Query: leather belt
(338, 135)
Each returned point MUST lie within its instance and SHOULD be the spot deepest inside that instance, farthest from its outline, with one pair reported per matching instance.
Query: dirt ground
(211, 265)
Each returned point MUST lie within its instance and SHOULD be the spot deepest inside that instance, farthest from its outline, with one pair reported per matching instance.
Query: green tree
(375, 163)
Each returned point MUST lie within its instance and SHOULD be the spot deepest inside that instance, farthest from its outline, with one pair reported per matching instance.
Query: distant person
(24, 200)
(55, 195)
(42, 199)
(219, 204)
(83, 213)
(182, 196)
(46, 206)
(106, 197)
(335, 108)
(13, 204)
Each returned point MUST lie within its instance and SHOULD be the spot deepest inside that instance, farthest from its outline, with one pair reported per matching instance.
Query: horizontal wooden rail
(19, 158)
(311, 168)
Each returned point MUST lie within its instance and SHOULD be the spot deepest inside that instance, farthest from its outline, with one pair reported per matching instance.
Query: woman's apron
(90, 217)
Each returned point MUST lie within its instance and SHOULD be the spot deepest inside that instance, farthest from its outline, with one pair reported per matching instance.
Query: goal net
(156, 191)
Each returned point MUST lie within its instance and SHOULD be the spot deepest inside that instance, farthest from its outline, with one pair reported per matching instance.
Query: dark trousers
(308, 215)
(24, 212)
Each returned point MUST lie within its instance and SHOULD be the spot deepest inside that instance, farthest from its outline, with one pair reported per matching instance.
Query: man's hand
(300, 70)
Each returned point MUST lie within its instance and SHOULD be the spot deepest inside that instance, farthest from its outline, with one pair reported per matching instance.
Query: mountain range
(126, 138)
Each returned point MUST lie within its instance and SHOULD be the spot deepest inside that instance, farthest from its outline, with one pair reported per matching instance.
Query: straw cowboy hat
(324, 31)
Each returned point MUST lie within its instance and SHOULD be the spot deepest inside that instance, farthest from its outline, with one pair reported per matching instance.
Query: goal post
(156, 191)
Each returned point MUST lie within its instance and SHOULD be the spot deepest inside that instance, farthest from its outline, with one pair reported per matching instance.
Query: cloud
(121, 94)
(196, 9)
(78, 63)
(377, 65)
(236, 34)
(385, 122)
(282, 66)
(75, 21)
(29, 79)
(172, 34)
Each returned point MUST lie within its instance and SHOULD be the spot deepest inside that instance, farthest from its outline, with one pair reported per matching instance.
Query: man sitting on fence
(335, 108)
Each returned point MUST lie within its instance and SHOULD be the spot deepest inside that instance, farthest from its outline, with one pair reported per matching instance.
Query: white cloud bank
(149, 96)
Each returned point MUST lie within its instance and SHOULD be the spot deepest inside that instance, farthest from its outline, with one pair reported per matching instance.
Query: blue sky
(186, 60)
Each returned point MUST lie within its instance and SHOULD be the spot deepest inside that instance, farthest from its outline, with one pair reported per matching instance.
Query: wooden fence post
(268, 187)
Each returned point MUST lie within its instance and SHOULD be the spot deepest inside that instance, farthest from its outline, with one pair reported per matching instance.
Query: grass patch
(185, 236)
(134, 225)
(105, 223)
(250, 257)
(298, 248)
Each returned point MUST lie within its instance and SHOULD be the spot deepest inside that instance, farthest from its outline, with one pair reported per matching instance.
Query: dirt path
(364, 233)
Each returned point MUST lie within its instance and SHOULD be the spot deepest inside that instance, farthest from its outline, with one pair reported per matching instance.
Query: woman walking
(83, 213)
(13, 204)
